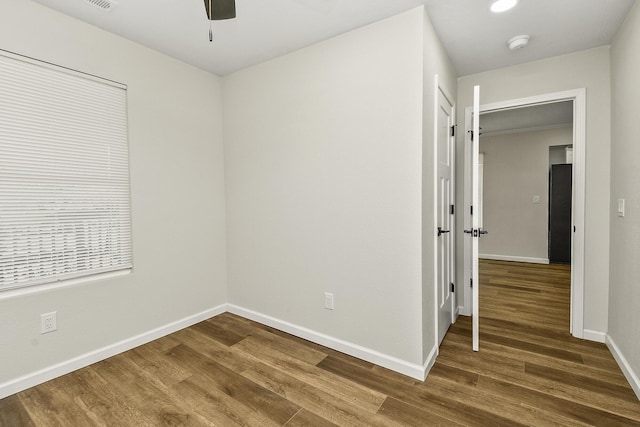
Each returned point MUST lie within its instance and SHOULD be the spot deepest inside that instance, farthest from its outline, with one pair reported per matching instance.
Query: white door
(445, 151)
(474, 232)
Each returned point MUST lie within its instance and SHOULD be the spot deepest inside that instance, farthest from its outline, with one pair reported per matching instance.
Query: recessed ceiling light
(503, 5)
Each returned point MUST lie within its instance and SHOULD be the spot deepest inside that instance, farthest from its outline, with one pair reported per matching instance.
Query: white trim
(578, 96)
(56, 67)
(428, 364)
(463, 311)
(626, 368)
(514, 258)
(578, 208)
(22, 383)
(434, 166)
(596, 336)
(390, 362)
(529, 129)
(475, 225)
(454, 297)
(28, 290)
(466, 216)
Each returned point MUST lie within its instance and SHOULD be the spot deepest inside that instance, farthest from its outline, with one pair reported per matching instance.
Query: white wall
(586, 69)
(516, 168)
(624, 299)
(177, 194)
(435, 61)
(323, 172)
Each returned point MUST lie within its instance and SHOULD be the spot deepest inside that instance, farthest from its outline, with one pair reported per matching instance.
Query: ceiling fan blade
(220, 9)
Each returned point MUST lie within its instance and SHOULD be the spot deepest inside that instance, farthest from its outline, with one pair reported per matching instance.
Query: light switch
(536, 200)
(621, 208)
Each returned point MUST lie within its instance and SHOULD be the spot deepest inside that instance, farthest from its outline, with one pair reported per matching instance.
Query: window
(64, 174)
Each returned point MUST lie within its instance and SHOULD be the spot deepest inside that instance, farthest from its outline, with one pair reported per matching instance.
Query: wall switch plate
(536, 200)
(328, 301)
(621, 208)
(48, 322)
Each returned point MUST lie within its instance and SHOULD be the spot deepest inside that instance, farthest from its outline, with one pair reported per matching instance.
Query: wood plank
(613, 391)
(147, 393)
(498, 404)
(214, 405)
(248, 393)
(47, 406)
(13, 412)
(321, 403)
(428, 398)
(296, 350)
(306, 418)
(500, 367)
(218, 333)
(99, 400)
(562, 407)
(349, 391)
(410, 415)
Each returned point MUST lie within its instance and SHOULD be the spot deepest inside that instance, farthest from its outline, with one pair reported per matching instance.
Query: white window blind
(64, 174)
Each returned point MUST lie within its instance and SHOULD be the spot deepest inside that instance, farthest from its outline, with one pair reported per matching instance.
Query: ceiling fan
(218, 10)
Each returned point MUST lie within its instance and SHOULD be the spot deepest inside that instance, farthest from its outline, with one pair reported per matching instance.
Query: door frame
(438, 87)
(578, 96)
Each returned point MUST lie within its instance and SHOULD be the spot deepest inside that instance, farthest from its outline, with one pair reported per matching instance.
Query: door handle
(475, 232)
(441, 231)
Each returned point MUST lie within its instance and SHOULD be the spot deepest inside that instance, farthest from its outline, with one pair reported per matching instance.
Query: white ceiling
(474, 37)
(263, 29)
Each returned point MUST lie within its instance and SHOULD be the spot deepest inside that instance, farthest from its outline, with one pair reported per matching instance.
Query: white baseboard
(628, 372)
(395, 364)
(22, 383)
(428, 364)
(462, 311)
(514, 258)
(594, 336)
(30, 380)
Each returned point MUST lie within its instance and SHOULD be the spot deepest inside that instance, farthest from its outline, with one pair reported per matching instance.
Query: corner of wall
(625, 366)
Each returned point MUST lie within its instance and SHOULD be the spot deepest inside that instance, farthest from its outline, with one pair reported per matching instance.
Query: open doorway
(575, 99)
(527, 200)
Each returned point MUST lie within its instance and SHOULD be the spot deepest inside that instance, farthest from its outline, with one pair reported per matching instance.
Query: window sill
(47, 287)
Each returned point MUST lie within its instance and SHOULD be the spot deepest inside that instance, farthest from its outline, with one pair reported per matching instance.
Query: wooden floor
(229, 371)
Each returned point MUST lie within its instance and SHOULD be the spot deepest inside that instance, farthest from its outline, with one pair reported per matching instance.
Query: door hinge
(453, 130)
(471, 283)
(471, 134)
(471, 210)
(453, 287)
(452, 210)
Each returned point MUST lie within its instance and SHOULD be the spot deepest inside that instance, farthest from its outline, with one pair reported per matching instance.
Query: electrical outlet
(48, 322)
(328, 301)
(536, 200)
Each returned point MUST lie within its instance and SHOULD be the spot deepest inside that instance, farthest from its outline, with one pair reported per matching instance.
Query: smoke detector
(103, 4)
(518, 42)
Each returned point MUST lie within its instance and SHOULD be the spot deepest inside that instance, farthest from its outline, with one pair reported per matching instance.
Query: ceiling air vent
(103, 4)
